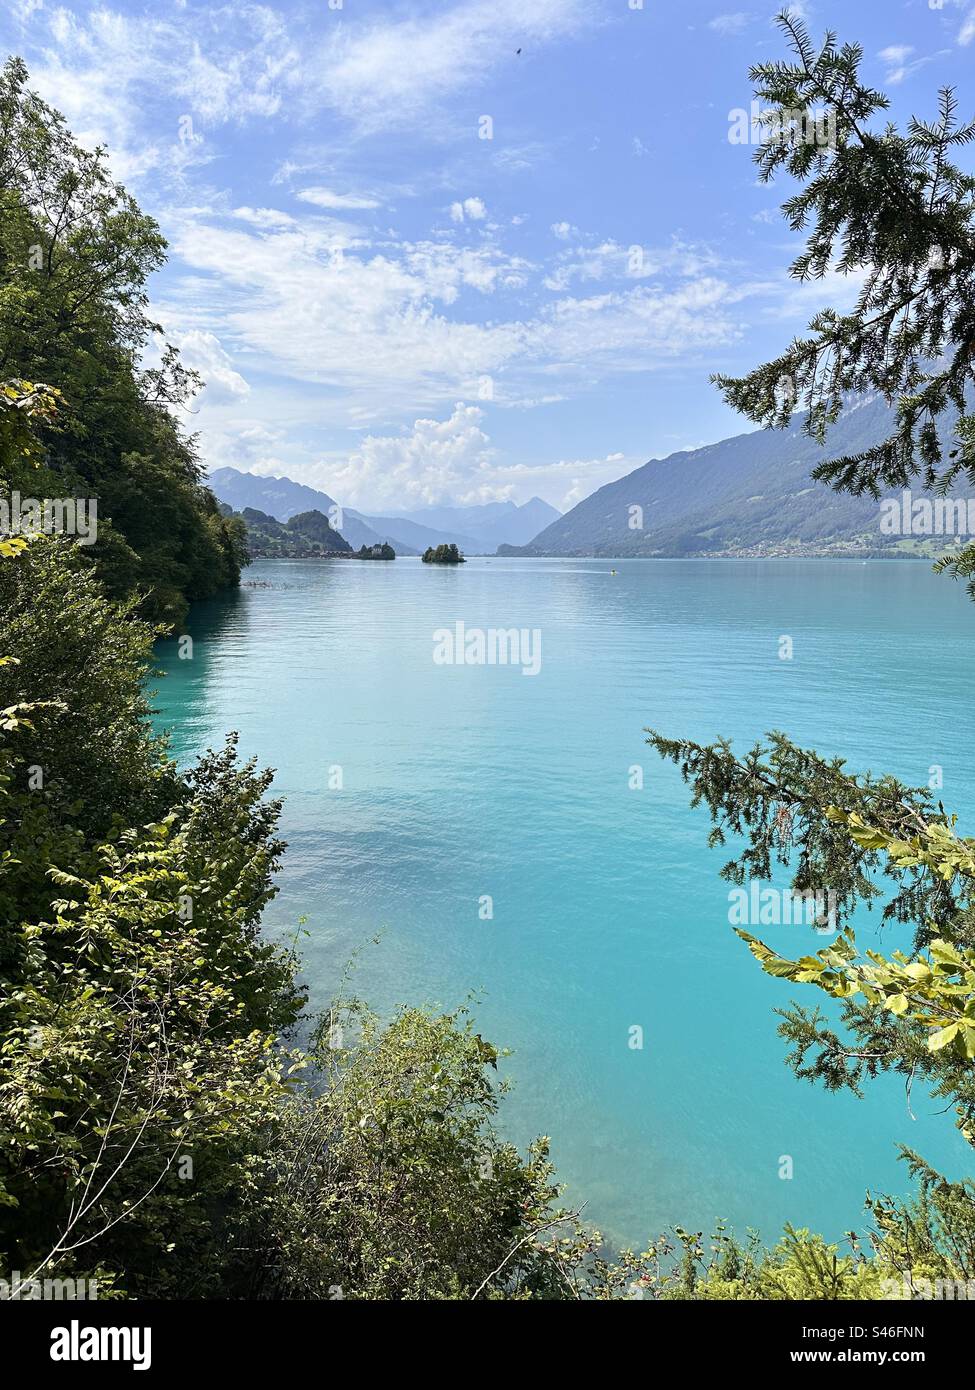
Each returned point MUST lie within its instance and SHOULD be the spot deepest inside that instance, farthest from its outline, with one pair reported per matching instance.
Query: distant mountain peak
(477, 530)
(751, 494)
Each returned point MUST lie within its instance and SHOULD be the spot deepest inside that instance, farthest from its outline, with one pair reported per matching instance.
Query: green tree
(442, 555)
(76, 253)
(896, 207)
(159, 1130)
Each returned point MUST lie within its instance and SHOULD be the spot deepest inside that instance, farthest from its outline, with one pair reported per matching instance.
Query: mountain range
(477, 530)
(748, 495)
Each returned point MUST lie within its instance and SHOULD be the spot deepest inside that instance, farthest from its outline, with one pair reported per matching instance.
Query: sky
(461, 252)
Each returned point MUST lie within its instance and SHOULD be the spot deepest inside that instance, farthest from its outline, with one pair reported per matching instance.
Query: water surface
(460, 782)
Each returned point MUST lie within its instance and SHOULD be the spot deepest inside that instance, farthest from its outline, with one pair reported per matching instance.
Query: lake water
(466, 781)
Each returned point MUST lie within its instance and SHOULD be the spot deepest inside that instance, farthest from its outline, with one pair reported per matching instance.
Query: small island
(383, 551)
(443, 555)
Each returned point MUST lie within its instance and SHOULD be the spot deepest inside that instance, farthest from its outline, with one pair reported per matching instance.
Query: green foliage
(777, 797)
(136, 1038)
(390, 1182)
(937, 989)
(23, 404)
(895, 206)
(84, 763)
(75, 256)
(932, 1238)
(442, 555)
(139, 1006)
(801, 1267)
(846, 834)
(157, 1130)
(88, 657)
(306, 536)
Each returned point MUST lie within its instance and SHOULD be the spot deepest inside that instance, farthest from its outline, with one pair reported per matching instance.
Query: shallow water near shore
(466, 782)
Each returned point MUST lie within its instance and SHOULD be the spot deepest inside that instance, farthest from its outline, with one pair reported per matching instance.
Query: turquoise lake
(608, 913)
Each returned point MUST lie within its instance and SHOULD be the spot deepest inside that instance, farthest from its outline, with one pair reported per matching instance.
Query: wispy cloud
(727, 24)
(395, 71)
(343, 202)
(361, 292)
(108, 70)
(900, 64)
(384, 324)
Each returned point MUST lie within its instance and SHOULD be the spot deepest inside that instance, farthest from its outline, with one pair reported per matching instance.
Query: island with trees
(442, 555)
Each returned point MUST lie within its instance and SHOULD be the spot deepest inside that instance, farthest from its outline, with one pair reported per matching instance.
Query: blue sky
(393, 308)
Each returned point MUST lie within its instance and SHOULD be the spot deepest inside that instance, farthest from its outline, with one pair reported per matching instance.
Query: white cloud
(896, 56)
(452, 460)
(563, 482)
(247, 444)
(471, 208)
(803, 300)
(966, 33)
(394, 70)
(268, 219)
(127, 79)
(520, 159)
(634, 330)
(315, 309)
(202, 351)
(896, 52)
(302, 322)
(610, 260)
(325, 198)
(383, 328)
(726, 24)
(436, 461)
(105, 70)
(445, 270)
(24, 9)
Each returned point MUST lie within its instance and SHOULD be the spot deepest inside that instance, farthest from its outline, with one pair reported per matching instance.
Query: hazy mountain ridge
(410, 537)
(282, 498)
(477, 530)
(491, 523)
(749, 494)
